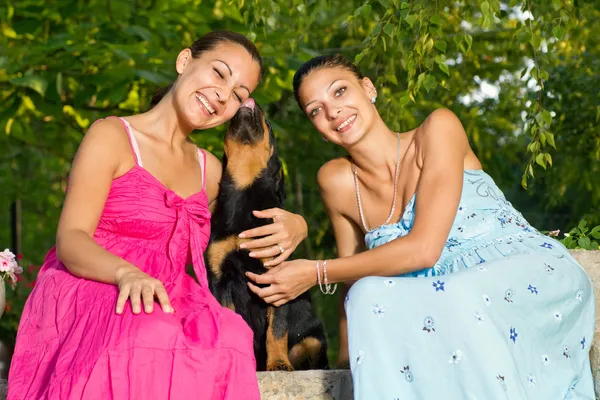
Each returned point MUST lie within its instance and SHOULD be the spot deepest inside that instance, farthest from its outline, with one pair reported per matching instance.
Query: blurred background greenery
(521, 75)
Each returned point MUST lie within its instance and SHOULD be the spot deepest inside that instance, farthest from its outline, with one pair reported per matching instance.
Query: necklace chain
(360, 208)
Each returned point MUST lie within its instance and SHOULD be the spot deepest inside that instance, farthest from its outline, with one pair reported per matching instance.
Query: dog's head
(250, 151)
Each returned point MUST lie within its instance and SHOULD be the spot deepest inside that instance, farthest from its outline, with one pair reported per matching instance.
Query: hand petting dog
(286, 281)
(278, 239)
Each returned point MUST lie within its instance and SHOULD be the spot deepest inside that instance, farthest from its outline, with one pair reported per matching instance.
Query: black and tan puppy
(287, 337)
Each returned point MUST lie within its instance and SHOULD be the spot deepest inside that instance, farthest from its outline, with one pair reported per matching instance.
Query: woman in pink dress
(114, 314)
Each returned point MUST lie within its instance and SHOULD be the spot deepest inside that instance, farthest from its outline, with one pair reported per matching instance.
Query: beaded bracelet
(328, 289)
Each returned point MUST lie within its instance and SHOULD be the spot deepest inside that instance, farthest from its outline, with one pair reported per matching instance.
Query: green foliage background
(521, 75)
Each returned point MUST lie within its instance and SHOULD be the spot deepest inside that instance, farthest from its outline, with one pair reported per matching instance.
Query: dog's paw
(280, 365)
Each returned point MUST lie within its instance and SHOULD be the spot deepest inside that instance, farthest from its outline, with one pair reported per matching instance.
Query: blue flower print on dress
(549, 269)
(407, 374)
(579, 296)
(360, 357)
(531, 380)
(545, 359)
(547, 245)
(558, 316)
(508, 295)
(566, 352)
(582, 343)
(439, 285)
(532, 289)
(390, 283)
(479, 318)
(378, 310)
(486, 300)
(513, 335)
(502, 382)
(429, 324)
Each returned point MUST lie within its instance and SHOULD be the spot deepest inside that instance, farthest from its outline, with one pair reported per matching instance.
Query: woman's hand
(280, 239)
(140, 287)
(286, 281)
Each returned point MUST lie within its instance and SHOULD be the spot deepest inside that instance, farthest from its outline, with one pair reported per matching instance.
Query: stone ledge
(300, 385)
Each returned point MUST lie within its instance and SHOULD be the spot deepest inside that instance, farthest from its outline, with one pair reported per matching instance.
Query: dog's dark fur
(287, 337)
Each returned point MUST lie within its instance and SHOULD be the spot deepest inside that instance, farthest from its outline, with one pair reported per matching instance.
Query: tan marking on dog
(308, 348)
(277, 348)
(246, 162)
(217, 251)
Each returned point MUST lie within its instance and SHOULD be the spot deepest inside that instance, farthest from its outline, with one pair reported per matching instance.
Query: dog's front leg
(277, 339)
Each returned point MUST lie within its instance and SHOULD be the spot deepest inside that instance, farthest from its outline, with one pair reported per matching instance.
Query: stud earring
(373, 99)
(324, 139)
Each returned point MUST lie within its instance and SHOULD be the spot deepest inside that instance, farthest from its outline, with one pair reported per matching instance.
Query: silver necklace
(360, 209)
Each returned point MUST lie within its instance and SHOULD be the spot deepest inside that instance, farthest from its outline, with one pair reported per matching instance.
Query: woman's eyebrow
(231, 73)
(312, 101)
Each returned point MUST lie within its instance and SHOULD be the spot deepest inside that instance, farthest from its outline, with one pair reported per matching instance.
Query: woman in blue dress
(456, 296)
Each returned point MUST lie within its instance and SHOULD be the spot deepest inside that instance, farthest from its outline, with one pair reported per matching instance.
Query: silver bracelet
(328, 289)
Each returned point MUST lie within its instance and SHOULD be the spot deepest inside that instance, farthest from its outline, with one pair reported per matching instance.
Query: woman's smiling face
(338, 104)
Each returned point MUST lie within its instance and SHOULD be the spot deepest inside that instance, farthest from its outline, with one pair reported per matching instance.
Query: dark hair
(208, 42)
(330, 61)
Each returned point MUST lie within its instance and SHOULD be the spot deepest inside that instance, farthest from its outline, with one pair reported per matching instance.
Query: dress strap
(202, 161)
(132, 141)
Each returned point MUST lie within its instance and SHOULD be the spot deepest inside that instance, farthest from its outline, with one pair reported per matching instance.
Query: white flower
(558, 316)
(579, 296)
(378, 310)
(482, 268)
(531, 380)
(479, 318)
(545, 359)
(486, 300)
(390, 283)
(566, 234)
(7, 254)
(456, 357)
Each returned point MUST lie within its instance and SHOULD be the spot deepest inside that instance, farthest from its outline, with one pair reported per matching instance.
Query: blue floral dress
(506, 313)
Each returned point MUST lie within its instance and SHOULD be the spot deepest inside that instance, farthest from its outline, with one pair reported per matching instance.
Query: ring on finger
(281, 249)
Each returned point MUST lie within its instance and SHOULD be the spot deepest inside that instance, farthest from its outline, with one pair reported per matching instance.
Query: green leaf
(549, 159)
(404, 5)
(531, 171)
(559, 32)
(584, 243)
(469, 40)
(388, 29)
(595, 233)
(441, 45)
(582, 225)
(444, 67)
(153, 77)
(523, 35)
(34, 82)
(458, 39)
(429, 83)
(541, 160)
(404, 100)
(485, 7)
(59, 83)
(524, 181)
(550, 139)
(385, 3)
(377, 29)
(547, 117)
(436, 20)
(410, 19)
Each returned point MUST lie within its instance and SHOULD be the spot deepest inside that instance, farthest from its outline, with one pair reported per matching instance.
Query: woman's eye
(218, 73)
(340, 91)
(239, 98)
(315, 111)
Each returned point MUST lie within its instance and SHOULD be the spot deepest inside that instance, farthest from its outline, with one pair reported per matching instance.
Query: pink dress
(72, 345)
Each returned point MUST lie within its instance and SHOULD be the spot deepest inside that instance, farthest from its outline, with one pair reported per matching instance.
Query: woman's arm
(336, 184)
(443, 146)
(97, 162)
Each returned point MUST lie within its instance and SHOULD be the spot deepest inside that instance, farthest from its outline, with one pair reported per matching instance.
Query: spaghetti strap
(202, 160)
(132, 142)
